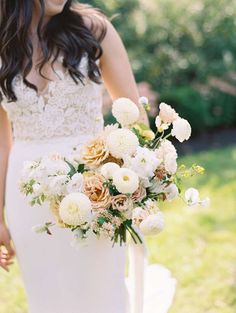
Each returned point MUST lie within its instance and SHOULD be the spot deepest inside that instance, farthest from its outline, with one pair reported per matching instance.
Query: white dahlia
(108, 169)
(153, 224)
(125, 111)
(121, 142)
(75, 209)
(125, 180)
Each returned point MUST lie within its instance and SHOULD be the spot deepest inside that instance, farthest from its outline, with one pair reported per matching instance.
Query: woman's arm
(116, 70)
(5, 146)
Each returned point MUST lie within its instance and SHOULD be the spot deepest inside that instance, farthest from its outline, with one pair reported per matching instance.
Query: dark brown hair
(66, 33)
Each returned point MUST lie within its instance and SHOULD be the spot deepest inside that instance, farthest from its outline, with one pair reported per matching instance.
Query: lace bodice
(65, 109)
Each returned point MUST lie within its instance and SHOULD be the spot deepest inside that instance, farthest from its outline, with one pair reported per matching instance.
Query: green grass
(198, 246)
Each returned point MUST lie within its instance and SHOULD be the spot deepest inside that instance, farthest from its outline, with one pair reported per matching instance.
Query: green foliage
(182, 44)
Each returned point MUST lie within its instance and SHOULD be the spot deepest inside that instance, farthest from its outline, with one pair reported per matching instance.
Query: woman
(54, 55)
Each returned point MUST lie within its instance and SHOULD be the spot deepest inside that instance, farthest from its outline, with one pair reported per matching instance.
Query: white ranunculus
(125, 111)
(153, 224)
(144, 163)
(121, 142)
(125, 180)
(167, 113)
(181, 129)
(192, 196)
(108, 169)
(171, 192)
(75, 209)
(76, 183)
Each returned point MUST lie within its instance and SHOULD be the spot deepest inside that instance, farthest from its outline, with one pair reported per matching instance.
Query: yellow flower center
(73, 208)
(125, 178)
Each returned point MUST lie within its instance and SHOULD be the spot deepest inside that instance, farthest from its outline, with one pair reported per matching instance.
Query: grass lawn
(198, 246)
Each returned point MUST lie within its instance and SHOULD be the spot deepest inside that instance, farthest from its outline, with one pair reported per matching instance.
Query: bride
(55, 55)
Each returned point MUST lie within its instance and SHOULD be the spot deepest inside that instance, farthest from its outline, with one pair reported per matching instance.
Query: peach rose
(94, 152)
(97, 193)
(123, 204)
(139, 194)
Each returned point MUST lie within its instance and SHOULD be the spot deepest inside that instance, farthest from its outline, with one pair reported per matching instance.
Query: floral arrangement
(113, 184)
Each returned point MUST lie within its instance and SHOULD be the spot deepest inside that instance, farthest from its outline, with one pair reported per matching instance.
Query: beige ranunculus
(94, 152)
(97, 193)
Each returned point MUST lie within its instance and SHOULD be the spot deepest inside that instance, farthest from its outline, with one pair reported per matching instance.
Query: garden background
(184, 53)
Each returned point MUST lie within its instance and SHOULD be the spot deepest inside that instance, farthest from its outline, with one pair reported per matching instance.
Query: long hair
(65, 33)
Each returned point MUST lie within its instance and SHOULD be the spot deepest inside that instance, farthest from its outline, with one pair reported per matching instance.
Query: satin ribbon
(138, 261)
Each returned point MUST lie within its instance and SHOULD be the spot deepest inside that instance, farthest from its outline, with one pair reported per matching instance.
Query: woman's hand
(6, 250)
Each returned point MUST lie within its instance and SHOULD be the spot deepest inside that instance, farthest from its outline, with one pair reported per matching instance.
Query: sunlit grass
(198, 246)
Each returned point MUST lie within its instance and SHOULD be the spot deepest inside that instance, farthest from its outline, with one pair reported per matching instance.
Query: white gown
(59, 278)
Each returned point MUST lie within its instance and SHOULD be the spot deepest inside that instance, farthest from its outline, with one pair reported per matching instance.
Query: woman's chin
(54, 7)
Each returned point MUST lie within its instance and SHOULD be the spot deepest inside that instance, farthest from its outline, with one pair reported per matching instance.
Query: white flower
(153, 224)
(139, 214)
(192, 196)
(125, 111)
(57, 185)
(144, 163)
(108, 169)
(205, 202)
(167, 113)
(143, 101)
(76, 183)
(170, 163)
(75, 209)
(125, 180)
(157, 186)
(151, 206)
(121, 142)
(167, 153)
(171, 192)
(160, 125)
(181, 129)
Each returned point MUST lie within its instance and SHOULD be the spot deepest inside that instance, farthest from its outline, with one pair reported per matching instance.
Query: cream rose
(123, 204)
(97, 193)
(94, 152)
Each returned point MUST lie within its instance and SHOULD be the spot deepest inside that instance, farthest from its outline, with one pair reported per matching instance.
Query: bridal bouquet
(114, 183)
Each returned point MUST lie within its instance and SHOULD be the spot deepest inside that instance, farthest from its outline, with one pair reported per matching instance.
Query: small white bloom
(151, 206)
(125, 111)
(108, 169)
(121, 142)
(76, 183)
(144, 163)
(153, 224)
(192, 196)
(57, 185)
(157, 186)
(160, 125)
(181, 129)
(75, 209)
(205, 202)
(171, 192)
(143, 101)
(166, 148)
(167, 113)
(125, 180)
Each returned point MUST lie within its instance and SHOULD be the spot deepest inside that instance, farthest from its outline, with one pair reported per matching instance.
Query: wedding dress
(59, 278)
